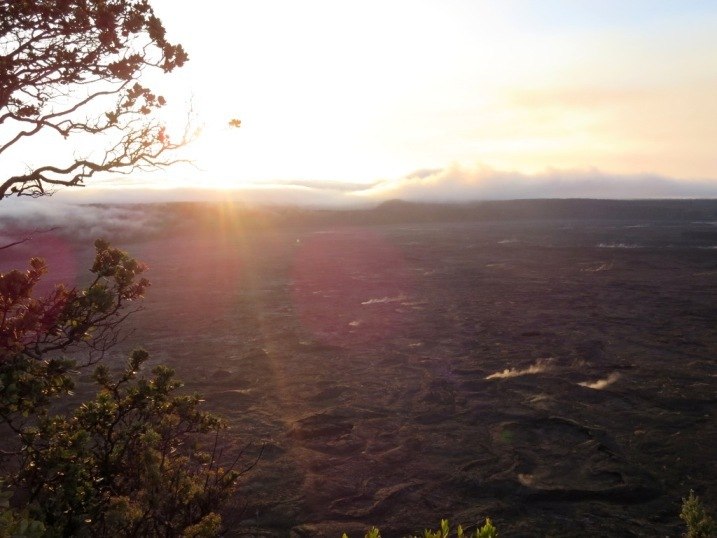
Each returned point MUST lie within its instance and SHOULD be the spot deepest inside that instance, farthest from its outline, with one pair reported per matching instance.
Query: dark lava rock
(327, 424)
(603, 440)
(221, 374)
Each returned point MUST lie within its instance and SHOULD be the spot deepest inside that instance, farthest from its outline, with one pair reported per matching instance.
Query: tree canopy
(139, 458)
(72, 67)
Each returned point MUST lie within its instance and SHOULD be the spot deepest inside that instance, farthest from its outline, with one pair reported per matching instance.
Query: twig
(29, 237)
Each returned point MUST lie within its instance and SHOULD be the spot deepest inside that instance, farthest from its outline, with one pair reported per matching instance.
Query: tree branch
(54, 52)
(29, 237)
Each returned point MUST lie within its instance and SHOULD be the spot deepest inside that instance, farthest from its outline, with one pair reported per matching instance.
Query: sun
(214, 157)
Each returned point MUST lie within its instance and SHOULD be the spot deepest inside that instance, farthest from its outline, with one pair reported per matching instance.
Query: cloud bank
(23, 218)
(75, 212)
(454, 183)
(459, 184)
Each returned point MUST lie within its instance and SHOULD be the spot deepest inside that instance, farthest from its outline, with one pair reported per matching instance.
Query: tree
(72, 67)
(134, 460)
(139, 458)
(699, 523)
(123, 463)
(34, 330)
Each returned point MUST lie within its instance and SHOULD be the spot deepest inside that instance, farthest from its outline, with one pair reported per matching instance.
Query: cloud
(81, 222)
(122, 213)
(457, 183)
(311, 194)
(330, 186)
(126, 214)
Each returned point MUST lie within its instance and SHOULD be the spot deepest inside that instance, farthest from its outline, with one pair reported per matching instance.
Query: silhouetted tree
(138, 459)
(71, 67)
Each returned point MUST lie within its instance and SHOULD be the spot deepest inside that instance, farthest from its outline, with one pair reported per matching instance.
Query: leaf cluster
(72, 67)
(50, 44)
(699, 523)
(135, 460)
(128, 462)
(444, 531)
(35, 332)
(32, 327)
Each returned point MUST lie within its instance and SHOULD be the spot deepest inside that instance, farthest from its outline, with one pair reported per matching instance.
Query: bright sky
(376, 90)
(373, 90)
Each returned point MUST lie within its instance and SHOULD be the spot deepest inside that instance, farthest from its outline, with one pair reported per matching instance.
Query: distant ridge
(541, 209)
(134, 221)
(401, 211)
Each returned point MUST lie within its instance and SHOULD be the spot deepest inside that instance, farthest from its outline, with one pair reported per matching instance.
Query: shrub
(126, 463)
(698, 521)
(486, 531)
(138, 459)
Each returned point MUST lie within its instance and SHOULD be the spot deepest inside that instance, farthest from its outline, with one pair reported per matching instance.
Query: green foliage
(444, 531)
(699, 523)
(17, 524)
(130, 461)
(135, 460)
(33, 330)
(486, 531)
(27, 385)
(33, 327)
(127, 462)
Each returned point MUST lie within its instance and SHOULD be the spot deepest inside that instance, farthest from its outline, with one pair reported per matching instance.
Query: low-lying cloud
(23, 218)
(460, 184)
(93, 212)
(455, 183)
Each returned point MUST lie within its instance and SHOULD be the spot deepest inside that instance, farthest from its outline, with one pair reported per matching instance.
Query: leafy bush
(126, 463)
(137, 459)
(35, 332)
(698, 521)
(486, 531)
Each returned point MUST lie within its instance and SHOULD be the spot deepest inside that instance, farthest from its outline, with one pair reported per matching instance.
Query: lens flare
(349, 287)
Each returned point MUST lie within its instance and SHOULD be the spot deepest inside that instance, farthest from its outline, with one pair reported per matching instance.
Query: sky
(442, 99)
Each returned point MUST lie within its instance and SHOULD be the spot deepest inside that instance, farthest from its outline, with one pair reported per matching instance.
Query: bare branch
(44, 121)
(59, 61)
(29, 237)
